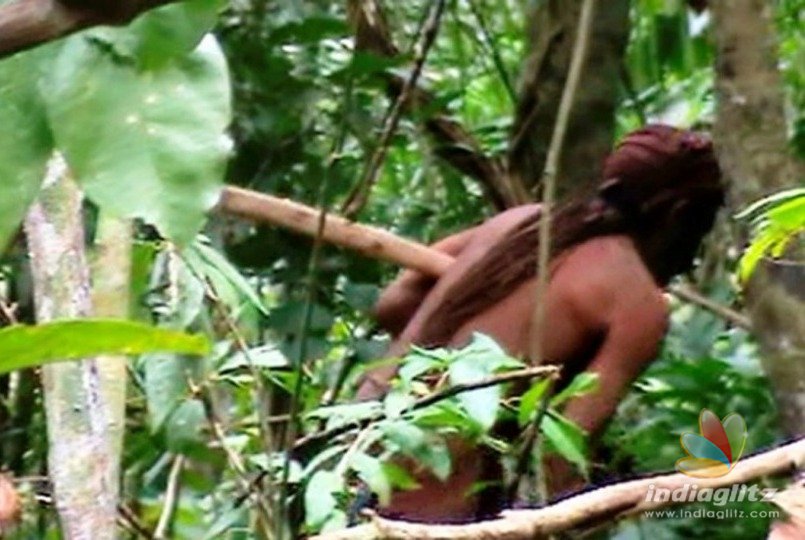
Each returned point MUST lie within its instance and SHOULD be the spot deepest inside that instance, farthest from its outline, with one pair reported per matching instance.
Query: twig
(128, 517)
(606, 503)
(503, 378)
(490, 43)
(171, 498)
(360, 195)
(453, 143)
(234, 459)
(290, 433)
(551, 166)
(689, 294)
(9, 312)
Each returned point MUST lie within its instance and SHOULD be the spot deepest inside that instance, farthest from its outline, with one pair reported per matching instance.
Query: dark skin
(604, 311)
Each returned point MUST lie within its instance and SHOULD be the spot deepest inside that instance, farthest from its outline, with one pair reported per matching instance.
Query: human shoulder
(604, 278)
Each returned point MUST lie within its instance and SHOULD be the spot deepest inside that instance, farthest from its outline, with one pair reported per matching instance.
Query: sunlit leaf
(143, 144)
(27, 346)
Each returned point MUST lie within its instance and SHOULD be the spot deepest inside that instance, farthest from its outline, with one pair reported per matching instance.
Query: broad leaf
(162, 34)
(28, 346)
(25, 140)
(320, 498)
(568, 439)
(147, 144)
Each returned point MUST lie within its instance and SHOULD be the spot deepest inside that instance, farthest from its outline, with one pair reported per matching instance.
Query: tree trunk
(750, 137)
(592, 121)
(81, 461)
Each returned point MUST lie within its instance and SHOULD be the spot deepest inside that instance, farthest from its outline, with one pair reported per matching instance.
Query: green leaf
(482, 404)
(396, 402)
(370, 470)
(399, 477)
(474, 363)
(320, 498)
(530, 400)
(772, 200)
(184, 427)
(143, 144)
(567, 438)
(162, 34)
(25, 140)
(430, 451)
(264, 356)
(217, 268)
(582, 384)
(27, 346)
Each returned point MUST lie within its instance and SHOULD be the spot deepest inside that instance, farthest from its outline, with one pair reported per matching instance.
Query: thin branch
(133, 522)
(171, 498)
(359, 196)
(24, 24)
(453, 143)
(607, 503)
(552, 164)
(491, 44)
(503, 378)
(733, 317)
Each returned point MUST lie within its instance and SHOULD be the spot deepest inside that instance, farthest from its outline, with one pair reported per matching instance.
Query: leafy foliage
(141, 114)
(776, 221)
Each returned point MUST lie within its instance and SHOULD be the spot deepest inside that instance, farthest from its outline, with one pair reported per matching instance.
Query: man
(613, 249)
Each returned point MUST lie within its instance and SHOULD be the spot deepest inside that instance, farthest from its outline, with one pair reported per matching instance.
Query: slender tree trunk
(592, 123)
(81, 462)
(111, 298)
(750, 136)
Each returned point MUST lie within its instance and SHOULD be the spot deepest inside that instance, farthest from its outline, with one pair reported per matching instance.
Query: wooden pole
(370, 241)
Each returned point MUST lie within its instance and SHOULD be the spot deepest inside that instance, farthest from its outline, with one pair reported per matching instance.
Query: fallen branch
(27, 23)
(606, 503)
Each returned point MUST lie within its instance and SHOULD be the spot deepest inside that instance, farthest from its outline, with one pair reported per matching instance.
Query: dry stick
(171, 498)
(694, 297)
(503, 378)
(133, 522)
(380, 244)
(603, 504)
(369, 241)
(552, 161)
(357, 199)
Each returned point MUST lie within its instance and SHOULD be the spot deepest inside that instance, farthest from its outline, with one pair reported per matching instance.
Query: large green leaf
(25, 141)
(147, 144)
(27, 346)
(162, 34)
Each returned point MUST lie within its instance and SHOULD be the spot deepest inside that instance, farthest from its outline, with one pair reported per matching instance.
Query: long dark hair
(661, 187)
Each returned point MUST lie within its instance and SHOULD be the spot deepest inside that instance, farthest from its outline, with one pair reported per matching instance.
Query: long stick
(378, 243)
(370, 241)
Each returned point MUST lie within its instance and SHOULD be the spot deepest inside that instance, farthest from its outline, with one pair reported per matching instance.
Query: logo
(717, 449)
